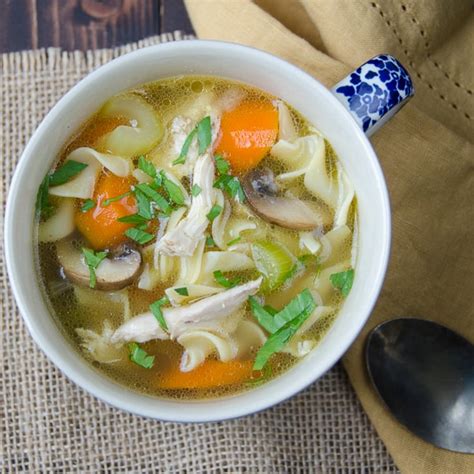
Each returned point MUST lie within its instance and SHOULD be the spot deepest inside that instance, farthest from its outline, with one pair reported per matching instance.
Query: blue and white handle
(375, 92)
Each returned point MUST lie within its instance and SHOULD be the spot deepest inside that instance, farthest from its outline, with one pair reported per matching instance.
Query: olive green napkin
(426, 153)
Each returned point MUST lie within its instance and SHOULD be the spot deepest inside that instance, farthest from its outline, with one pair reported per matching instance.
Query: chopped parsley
(182, 291)
(173, 190)
(343, 281)
(62, 175)
(150, 195)
(234, 241)
(146, 166)
(43, 205)
(282, 325)
(108, 201)
(143, 204)
(222, 164)
(263, 316)
(132, 219)
(139, 235)
(231, 185)
(224, 281)
(87, 205)
(204, 136)
(270, 309)
(196, 190)
(155, 308)
(93, 260)
(210, 242)
(214, 212)
(140, 356)
(185, 148)
(67, 171)
(234, 188)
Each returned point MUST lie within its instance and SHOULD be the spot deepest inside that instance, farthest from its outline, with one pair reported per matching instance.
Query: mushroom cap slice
(119, 270)
(261, 192)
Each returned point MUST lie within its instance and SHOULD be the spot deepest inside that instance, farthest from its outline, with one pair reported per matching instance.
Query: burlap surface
(426, 153)
(50, 425)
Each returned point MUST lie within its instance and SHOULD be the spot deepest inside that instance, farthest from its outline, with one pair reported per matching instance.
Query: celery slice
(274, 262)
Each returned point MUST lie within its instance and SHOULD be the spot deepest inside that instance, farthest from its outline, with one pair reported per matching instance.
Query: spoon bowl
(424, 373)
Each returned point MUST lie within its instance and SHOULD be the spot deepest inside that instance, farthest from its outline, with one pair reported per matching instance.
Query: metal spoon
(424, 372)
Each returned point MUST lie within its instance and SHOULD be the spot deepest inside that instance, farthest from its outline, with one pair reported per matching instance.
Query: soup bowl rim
(73, 364)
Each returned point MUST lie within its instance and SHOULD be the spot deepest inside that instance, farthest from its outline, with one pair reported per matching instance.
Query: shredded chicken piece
(145, 327)
(181, 127)
(184, 238)
(141, 328)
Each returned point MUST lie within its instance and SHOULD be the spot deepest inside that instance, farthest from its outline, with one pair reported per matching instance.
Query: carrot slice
(99, 225)
(212, 373)
(247, 133)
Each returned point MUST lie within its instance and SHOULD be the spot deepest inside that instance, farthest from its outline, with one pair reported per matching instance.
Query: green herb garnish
(155, 308)
(204, 134)
(142, 226)
(185, 148)
(93, 260)
(234, 241)
(146, 166)
(173, 190)
(299, 304)
(274, 344)
(154, 196)
(281, 325)
(204, 137)
(143, 204)
(210, 242)
(231, 185)
(221, 181)
(140, 356)
(270, 309)
(43, 205)
(288, 321)
(87, 205)
(222, 164)
(224, 281)
(196, 190)
(67, 171)
(133, 219)
(108, 201)
(234, 188)
(343, 281)
(214, 212)
(158, 180)
(264, 317)
(182, 291)
(139, 235)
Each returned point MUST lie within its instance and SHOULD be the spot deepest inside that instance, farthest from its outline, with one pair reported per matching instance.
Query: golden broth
(85, 308)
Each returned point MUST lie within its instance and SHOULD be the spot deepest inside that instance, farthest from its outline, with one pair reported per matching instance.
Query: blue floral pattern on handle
(374, 89)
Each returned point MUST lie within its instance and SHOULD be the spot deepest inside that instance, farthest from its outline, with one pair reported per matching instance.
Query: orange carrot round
(247, 133)
(211, 373)
(99, 225)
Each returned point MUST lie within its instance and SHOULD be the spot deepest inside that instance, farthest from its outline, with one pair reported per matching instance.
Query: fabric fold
(426, 153)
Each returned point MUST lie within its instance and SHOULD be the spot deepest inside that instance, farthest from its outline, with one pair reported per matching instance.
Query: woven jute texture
(50, 425)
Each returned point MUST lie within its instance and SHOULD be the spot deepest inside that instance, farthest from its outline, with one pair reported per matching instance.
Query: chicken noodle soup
(196, 237)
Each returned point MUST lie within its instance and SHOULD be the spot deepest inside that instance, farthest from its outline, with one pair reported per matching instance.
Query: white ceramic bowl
(240, 63)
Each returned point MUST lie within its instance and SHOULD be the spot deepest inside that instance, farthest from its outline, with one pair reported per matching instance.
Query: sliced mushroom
(261, 191)
(120, 269)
